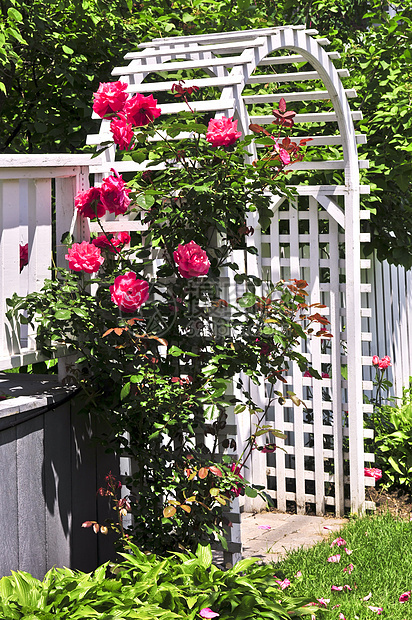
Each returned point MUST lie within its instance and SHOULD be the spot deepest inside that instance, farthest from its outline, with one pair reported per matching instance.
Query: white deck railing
(30, 185)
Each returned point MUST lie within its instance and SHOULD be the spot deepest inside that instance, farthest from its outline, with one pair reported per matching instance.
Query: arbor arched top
(239, 66)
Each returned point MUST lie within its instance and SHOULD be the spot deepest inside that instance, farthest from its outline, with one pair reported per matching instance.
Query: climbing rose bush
(84, 257)
(114, 194)
(128, 292)
(157, 368)
(222, 131)
(110, 98)
(122, 133)
(191, 260)
(89, 204)
(140, 110)
(111, 242)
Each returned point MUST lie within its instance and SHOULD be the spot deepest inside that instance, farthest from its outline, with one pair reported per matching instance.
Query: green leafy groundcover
(145, 587)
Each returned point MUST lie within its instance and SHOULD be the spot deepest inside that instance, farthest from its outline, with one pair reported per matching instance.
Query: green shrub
(393, 439)
(144, 587)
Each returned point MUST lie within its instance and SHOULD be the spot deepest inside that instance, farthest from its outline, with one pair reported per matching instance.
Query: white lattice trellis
(317, 239)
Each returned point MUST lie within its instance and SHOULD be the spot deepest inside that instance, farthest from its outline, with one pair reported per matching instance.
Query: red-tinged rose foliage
(110, 98)
(24, 255)
(84, 257)
(283, 154)
(114, 194)
(129, 293)
(222, 131)
(140, 110)
(122, 133)
(191, 260)
(89, 204)
(110, 241)
(282, 117)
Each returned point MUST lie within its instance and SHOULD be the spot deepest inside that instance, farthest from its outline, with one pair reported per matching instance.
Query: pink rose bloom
(89, 203)
(385, 362)
(339, 542)
(206, 612)
(141, 110)
(283, 584)
(307, 374)
(110, 98)
(128, 293)
(405, 596)
(325, 375)
(375, 360)
(24, 255)
(122, 132)
(373, 472)
(222, 131)
(106, 242)
(84, 257)
(114, 194)
(334, 558)
(191, 260)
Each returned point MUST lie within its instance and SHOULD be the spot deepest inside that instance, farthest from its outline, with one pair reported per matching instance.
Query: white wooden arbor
(317, 238)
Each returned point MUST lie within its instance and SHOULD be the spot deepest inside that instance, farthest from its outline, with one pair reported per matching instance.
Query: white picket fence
(30, 186)
(391, 321)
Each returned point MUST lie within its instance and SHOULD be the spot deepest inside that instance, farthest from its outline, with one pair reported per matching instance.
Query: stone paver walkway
(287, 532)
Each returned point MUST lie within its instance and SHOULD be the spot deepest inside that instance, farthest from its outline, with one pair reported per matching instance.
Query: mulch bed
(397, 503)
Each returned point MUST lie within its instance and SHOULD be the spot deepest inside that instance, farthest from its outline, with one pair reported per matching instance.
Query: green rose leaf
(62, 315)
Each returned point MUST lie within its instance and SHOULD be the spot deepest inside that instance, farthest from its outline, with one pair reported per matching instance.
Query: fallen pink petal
(264, 527)
(339, 542)
(341, 616)
(336, 588)
(322, 602)
(298, 574)
(377, 610)
(334, 558)
(206, 612)
(283, 584)
(405, 596)
(348, 551)
(349, 569)
(367, 597)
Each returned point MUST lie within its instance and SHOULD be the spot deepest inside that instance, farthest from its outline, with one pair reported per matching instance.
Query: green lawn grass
(382, 559)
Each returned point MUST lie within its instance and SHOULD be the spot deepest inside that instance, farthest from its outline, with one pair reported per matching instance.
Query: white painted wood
(307, 95)
(217, 48)
(315, 117)
(319, 474)
(332, 208)
(159, 87)
(295, 58)
(298, 76)
(9, 260)
(228, 61)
